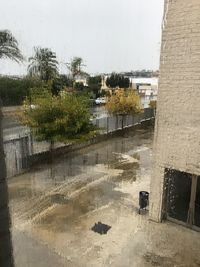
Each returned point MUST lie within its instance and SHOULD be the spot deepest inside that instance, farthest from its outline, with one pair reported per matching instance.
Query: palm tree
(8, 49)
(43, 64)
(75, 66)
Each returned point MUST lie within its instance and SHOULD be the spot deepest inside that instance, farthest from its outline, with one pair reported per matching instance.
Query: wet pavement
(54, 207)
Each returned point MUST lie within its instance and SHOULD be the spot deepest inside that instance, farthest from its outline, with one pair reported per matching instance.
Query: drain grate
(101, 228)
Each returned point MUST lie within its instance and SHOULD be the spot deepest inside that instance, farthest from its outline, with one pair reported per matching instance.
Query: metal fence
(19, 150)
(115, 123)
(17, 153)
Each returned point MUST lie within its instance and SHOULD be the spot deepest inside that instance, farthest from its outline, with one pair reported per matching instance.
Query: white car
(100, 100)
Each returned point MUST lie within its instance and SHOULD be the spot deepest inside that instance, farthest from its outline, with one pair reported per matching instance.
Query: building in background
(175, 183)
(147, 89)
(82, 78)
(103, 79)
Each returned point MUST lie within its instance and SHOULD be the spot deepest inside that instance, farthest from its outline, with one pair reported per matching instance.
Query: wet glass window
(197, 204)
(179, 192)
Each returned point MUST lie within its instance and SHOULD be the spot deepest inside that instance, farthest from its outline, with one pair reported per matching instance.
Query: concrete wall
(177, 130)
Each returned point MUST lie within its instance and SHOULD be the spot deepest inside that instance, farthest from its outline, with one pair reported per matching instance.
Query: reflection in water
(85, 184)
(97, 158)
(68, 211)
(81, 167)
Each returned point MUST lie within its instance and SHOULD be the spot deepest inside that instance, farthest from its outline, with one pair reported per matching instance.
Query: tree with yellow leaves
(124, 102)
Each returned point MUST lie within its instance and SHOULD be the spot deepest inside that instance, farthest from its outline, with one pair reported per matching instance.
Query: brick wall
(177, 130)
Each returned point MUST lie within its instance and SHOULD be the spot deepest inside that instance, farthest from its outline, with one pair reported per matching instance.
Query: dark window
(197, 204)
(179, 192)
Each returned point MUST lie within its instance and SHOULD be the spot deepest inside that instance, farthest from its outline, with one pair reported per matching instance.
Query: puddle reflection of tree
(129, 168)
(58, 169)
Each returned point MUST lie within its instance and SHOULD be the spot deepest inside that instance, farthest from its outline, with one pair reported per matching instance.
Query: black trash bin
(143, 200)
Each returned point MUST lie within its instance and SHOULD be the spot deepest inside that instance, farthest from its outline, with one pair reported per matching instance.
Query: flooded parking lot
(54, 207)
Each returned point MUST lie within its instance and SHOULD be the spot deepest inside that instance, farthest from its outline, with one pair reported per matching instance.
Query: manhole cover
(101, 228)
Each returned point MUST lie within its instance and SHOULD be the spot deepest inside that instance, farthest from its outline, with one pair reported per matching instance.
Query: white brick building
(175, 184)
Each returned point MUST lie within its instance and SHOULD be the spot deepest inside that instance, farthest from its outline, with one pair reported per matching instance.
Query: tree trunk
(122, 122)
(154, 111)
(6, 256)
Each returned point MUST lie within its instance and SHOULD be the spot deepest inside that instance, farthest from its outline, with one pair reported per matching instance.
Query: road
(54, 207)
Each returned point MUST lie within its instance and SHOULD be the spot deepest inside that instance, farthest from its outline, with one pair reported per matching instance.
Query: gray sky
(110, 35)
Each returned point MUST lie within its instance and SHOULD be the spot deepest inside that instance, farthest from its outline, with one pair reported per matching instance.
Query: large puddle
(58, 204)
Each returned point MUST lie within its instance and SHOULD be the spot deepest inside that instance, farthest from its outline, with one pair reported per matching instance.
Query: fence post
(31, 143)
(116, 122)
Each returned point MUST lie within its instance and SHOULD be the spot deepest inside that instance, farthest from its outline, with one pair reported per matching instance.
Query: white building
(146, 86)
(147, 89)
(82, 78)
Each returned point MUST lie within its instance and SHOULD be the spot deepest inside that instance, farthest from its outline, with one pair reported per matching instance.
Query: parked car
(100, 100)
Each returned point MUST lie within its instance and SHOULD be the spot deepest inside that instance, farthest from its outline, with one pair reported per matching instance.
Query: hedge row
(14, 90)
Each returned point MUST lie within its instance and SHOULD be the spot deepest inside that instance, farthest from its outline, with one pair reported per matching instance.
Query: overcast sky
(110, 35)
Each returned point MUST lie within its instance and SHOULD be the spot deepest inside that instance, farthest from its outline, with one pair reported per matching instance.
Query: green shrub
(14, 90)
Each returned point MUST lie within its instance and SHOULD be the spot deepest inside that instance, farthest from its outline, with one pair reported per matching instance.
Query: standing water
(55, 206)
